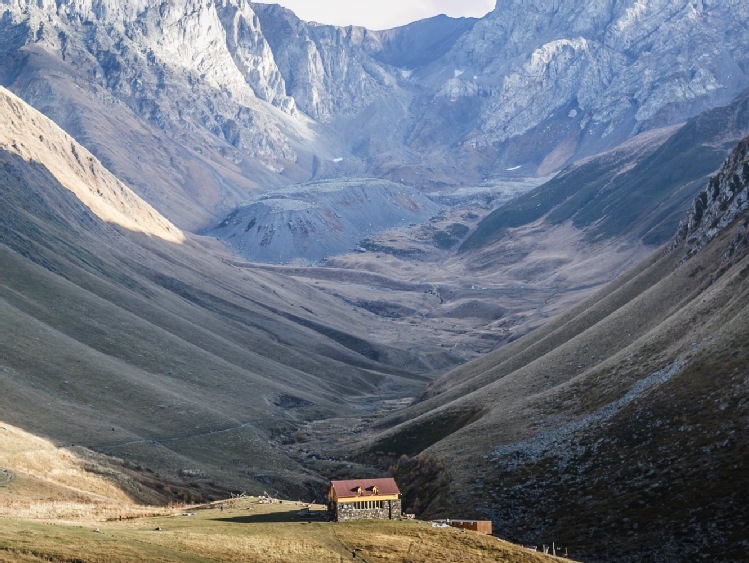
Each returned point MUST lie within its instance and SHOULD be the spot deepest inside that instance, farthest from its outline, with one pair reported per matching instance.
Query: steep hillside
(32, 137)
(121, 333)
(40, 480)
(639, 190)
(617, 429)
(722, 204)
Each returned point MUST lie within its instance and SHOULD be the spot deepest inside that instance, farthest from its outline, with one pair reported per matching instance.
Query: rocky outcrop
(315, 221)
(724, 202)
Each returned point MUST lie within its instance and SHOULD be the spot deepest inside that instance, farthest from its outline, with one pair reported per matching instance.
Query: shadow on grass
(290, 516)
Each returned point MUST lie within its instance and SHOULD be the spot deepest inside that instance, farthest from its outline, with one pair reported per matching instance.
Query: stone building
(364, 499)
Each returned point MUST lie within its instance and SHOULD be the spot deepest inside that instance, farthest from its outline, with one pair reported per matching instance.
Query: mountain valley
(503, 259)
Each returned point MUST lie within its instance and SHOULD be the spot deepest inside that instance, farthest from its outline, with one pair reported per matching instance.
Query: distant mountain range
(198, 104)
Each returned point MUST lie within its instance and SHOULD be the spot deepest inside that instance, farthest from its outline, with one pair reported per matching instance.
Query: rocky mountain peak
(216, 42)
(724, 202)
(524, 91)
(608, 69)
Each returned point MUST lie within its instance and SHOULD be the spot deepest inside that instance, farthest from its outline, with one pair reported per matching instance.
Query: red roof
(348, 489)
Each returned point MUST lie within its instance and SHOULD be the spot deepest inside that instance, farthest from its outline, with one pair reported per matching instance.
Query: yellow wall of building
(368, 497)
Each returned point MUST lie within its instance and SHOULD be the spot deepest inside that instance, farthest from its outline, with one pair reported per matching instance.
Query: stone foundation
(347, 511)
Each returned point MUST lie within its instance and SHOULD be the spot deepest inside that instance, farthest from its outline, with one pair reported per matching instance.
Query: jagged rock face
(722, 203)
(327, 69)
(219, 42)
(181, 65)
(315, 221)
(339, 71)
(611, 68)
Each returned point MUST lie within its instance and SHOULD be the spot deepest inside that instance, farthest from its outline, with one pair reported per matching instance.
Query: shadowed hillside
(618, 428)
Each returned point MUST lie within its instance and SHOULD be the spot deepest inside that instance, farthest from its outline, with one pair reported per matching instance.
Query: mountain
(180, 100)
(531, 86)
(211, 103)
(619, 419)
(188, 169)
(614, 429)
(570, 77)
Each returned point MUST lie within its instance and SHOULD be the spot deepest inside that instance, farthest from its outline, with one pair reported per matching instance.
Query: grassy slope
(247, 531)
(68, 504)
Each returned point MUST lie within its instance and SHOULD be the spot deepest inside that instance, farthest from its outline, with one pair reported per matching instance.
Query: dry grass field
(41, 481)
(247, 531)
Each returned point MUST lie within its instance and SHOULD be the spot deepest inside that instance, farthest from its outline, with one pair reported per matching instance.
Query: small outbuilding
(480, 526)
(364, 499)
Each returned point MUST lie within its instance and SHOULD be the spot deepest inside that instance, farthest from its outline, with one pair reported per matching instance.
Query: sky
(381, 14)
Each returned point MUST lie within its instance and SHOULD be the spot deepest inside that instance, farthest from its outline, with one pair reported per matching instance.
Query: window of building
(368, 504)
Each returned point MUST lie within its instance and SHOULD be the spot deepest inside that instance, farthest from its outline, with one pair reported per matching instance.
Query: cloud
(382, 14)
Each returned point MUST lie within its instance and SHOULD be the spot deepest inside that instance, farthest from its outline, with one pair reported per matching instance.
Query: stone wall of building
(346, 512)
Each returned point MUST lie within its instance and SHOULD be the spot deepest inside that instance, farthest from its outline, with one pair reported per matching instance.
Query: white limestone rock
(328, 70)
(632, 64)
(182, 65)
